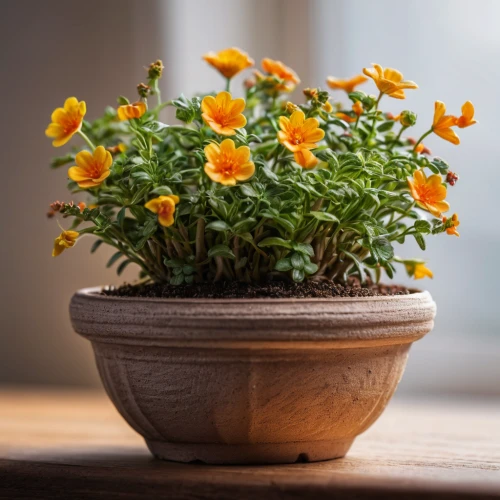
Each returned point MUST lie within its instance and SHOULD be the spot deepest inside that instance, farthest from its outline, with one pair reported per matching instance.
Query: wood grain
(57, 444)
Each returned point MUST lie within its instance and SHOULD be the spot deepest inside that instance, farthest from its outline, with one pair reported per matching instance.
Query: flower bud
(143, 90)
(310, 93)
(291, 107)
(155, 70)
(327, 107)
(408, 118)
(451, 178)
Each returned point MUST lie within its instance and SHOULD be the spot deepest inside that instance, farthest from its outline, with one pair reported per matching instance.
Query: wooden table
(56, 444)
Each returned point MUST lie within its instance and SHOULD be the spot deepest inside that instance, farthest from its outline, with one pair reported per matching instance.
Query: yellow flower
(223, 114)
(467, 118)
(451, 225)
(348, 85)
(164, 206)
(305, 158)
(298, 133)
(227, 164)
(91, 169)
(441, 124)
(327, 107)
(278, 70)
(66, 121)
(66, 239)
(119, 148)
(429, 192)
(346, 118)
(229, 62)
(129, 111)
(357, 107)
(389, 81)
(419, 271)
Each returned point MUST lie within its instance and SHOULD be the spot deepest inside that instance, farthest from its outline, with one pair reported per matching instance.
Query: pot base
(239, 454)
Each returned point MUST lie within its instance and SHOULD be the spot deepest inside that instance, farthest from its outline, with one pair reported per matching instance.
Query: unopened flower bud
(143, 90)
(155, 70)
(56, 206)
(291, 107)
(451, 178)
(81, 206)
(249, 83)
(310, 93)
(327, 107)
(408, 118)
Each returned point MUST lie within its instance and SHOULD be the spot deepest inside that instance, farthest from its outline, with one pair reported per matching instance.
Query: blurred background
(97, 50)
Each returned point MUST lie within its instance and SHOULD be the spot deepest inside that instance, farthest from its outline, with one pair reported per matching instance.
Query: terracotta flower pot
(251, 381)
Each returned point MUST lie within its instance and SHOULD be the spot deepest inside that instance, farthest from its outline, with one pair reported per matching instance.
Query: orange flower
(348, 85)
(451, 225)
(66, 239)
(305, 158)
(467, 118)
(298, 133)
(358, 109)
(129, 111)
(429, 192)
(422, 149)
(223, 114)
(390, 116)
(91, 169)
(281, 72)
(346, 118)
(66, 122)
(389, 81)
(119, 148)
(422, 271)
(229, 62)
(441, 124)
(227, 164)
(164, 206)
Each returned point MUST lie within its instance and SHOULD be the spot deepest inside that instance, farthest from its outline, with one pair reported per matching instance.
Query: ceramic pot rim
(342, 321)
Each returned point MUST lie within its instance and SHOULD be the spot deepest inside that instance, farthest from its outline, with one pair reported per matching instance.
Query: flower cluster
(258, 187)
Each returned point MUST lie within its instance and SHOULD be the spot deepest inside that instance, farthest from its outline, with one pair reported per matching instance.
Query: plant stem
(393, 143)
(422, 138)
(228, 84)
(87, 140)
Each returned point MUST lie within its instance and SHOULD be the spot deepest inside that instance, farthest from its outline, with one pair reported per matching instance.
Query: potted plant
(259, 331)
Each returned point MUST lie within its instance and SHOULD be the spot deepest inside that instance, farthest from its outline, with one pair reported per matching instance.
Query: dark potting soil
(271, 290)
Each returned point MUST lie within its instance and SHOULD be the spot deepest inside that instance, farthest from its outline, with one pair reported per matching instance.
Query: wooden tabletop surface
(73, 444)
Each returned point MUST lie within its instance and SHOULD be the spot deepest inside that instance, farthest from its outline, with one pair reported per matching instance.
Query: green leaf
(122, 266)
(218, 225)
(382, 249)
(420, 240)
(275, 242)
(423, 226)
(221, 251)
(96, 245)
(241, 263)
(249, 191)
(298, 275)
(304, 248)
(177, 280)
(114, 258)
(283, 265)
(297, 261)
(384, 127)
(310, 268)
(324, 216)
(60, 161)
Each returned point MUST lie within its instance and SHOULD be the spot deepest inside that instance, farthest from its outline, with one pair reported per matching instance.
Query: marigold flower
(358, 109)
(345, 117)
(66, 239)
(467, 118)
(348, 85)
(91, 169)
(298, 133)
(164, 207)
(389, 81)
(227, 164)
(66, 122)
(281, 72)
(422, 271)
(223, 114)
(229, 62)
(441, 124)
(129, 111)
(305, 158)
(429, 192)
(451, 225)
